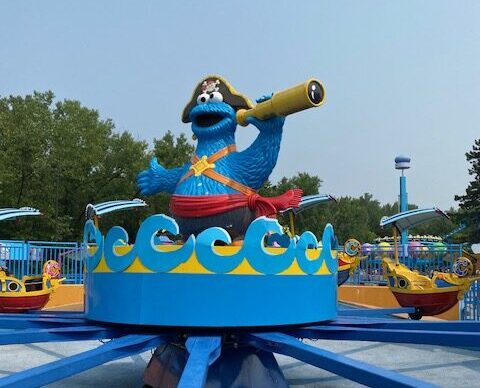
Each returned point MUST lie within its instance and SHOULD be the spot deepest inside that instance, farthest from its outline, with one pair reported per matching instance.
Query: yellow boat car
(429, 295)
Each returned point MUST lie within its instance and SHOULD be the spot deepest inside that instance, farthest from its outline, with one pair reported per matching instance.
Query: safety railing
(423, 259)
(26, 258)
(470, 305)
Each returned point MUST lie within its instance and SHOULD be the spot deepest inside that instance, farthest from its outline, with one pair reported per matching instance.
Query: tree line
(59, 156)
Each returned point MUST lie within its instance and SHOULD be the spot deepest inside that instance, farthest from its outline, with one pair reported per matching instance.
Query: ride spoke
(68, 366)
(203, 353)
(425, 337)
(351, 369)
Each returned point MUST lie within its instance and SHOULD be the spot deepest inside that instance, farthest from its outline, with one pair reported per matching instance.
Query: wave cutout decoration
(262, 260)
(157, 260)
(254, 248)
(118, 263)
(207, 256)
(92, 234)
(329, 243)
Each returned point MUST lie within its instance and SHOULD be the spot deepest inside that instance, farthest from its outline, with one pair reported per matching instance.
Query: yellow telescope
(309, 94)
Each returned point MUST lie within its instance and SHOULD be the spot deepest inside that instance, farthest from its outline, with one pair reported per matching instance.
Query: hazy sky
(401, 77)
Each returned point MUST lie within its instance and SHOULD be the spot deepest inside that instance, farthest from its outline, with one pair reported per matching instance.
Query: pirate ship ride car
(30, 292)
(428, 295)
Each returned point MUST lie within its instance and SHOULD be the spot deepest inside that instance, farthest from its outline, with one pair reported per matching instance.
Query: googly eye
(203, 98)
(216, 97)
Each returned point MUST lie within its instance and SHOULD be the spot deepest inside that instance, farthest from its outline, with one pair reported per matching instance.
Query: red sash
(207, 205)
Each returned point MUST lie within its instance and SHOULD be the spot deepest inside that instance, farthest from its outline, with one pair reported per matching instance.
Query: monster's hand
(149, 181)
(270, 125)
(274, 124)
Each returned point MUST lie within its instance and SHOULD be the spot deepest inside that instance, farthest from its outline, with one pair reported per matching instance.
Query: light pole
(403, 163)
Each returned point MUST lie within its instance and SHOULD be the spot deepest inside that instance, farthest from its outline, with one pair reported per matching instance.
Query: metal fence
(423, 259)
(470, 305)
(26, 258)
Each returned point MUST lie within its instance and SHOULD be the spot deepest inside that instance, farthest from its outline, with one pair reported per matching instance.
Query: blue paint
(153, 258)
(403, 208)
(117, 262)
(252, 249)
(92, 234)
(209, 259)
(192, 300)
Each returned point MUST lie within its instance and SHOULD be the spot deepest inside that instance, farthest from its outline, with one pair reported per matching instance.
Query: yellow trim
(193, 266)
(323, 270)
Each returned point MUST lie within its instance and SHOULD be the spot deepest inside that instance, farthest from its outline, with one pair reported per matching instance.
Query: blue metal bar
(68, 366)
(458, 326)
(28, 323)
(351, 369)
(375, 312)
(427, 337)
(203, 353)
(60, 334)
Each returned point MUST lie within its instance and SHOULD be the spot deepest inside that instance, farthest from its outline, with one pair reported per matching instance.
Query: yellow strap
(207, 163)
(229, 182)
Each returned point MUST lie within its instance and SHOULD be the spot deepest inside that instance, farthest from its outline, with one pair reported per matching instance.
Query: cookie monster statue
(218, 186)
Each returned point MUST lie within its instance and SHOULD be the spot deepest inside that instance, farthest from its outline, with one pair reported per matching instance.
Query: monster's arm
(253, 166)
(157, 178)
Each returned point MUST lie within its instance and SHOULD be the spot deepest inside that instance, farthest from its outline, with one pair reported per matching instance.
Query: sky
(400, 77)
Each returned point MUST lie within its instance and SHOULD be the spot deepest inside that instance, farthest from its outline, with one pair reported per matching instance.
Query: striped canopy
(408, 219)
(112, 206)
(311, 200)
(9, 213)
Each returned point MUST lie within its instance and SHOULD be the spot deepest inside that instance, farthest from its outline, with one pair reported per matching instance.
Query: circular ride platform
(204, 285)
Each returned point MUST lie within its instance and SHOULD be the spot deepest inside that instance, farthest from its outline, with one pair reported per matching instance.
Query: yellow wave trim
(193, 266)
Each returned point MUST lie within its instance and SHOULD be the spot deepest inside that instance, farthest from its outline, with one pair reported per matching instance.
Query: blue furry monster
(218, 187)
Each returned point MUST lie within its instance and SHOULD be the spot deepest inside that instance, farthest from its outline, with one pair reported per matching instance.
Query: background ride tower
(403, 163)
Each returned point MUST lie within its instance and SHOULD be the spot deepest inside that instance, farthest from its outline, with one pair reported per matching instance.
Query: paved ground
(447, 367)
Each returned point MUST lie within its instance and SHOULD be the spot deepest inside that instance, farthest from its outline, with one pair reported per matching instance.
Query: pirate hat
(215, 83)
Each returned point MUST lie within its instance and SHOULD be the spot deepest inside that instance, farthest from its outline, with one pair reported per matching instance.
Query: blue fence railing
(424, 259)
(470, 305)
(26, 258)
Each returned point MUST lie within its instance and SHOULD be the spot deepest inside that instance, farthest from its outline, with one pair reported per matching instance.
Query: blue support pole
(351, 369)
(68, 366)
(203, 353)
(403, 208)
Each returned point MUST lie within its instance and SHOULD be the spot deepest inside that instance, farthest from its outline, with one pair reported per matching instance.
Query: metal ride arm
(65, 367)
(355, 370)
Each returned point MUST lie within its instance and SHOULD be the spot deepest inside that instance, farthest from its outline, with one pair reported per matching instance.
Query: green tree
(59, 157)
(470, 202)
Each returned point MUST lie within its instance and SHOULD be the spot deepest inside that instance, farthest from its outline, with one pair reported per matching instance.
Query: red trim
(428, 304)
(18, 304)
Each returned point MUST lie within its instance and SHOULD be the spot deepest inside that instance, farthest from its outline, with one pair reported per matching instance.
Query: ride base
(199, 284)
